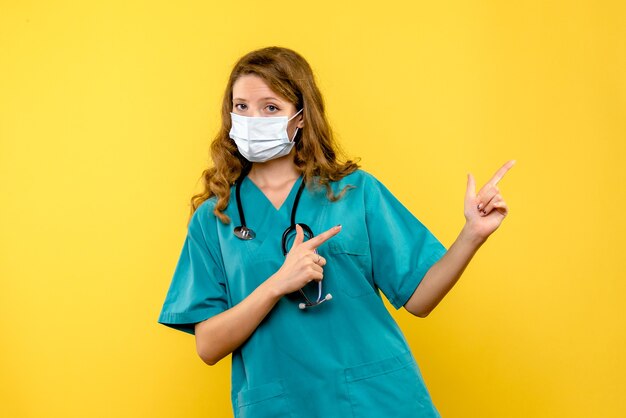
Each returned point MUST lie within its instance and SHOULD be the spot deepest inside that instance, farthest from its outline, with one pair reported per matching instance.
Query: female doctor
(288, 249)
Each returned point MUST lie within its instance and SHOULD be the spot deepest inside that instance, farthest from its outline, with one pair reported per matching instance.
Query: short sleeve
(402, 248)
(197, 290)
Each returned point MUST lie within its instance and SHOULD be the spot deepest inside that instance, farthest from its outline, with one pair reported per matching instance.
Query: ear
(300, 121)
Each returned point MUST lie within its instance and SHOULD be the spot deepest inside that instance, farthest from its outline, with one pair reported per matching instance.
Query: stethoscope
(245, 233)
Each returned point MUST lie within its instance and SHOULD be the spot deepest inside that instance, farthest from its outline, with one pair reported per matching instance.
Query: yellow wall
(106, 113)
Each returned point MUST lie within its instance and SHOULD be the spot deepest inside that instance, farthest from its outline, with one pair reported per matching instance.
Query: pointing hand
(485, 211)
(302, 263)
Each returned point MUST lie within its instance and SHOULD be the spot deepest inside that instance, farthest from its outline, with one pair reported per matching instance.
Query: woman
(287, 277)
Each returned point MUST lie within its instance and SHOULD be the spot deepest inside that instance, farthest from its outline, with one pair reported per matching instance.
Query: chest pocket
(351, 266)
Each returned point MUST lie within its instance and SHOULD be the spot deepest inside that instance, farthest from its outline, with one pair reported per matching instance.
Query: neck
(275, 171)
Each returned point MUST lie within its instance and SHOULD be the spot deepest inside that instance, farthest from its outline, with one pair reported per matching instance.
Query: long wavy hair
(289, 75)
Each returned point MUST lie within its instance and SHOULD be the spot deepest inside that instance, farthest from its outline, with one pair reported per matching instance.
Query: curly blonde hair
(288, 74)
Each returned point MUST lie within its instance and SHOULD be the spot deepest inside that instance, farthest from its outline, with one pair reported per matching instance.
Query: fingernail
(338, 226)
(479, 206)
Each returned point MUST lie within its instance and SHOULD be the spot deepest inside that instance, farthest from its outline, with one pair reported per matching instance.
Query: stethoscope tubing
(245, 233)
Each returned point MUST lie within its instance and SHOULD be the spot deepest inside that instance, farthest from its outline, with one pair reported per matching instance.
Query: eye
(241, 106)
(272, 108)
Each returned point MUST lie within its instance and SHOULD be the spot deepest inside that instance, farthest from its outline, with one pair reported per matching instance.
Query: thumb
(299, 237)
(471, 186)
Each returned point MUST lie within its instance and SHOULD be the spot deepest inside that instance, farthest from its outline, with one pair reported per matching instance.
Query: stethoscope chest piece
(244, 233)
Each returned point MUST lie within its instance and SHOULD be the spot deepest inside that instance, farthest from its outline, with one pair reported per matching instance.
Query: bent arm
(443, 275)
(221, 334)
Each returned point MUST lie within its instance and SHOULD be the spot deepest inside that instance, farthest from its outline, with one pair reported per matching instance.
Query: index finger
(318, 240)
(501, 172)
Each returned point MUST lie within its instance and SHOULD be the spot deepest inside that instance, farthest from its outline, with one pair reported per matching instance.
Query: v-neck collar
(290, 195)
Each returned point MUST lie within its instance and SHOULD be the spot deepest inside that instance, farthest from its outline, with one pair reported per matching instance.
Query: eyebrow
(263, 98)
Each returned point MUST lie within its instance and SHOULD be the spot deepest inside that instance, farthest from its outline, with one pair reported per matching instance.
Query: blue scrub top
(345, 357)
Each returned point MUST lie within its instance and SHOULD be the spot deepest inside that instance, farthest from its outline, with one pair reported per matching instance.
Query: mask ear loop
(296, 132)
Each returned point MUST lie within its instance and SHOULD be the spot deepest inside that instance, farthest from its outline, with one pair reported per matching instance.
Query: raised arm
(483, 214)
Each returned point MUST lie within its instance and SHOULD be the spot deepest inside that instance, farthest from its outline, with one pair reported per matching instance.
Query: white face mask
(261, 139)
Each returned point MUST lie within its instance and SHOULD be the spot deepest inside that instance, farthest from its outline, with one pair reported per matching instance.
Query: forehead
(252, 87)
